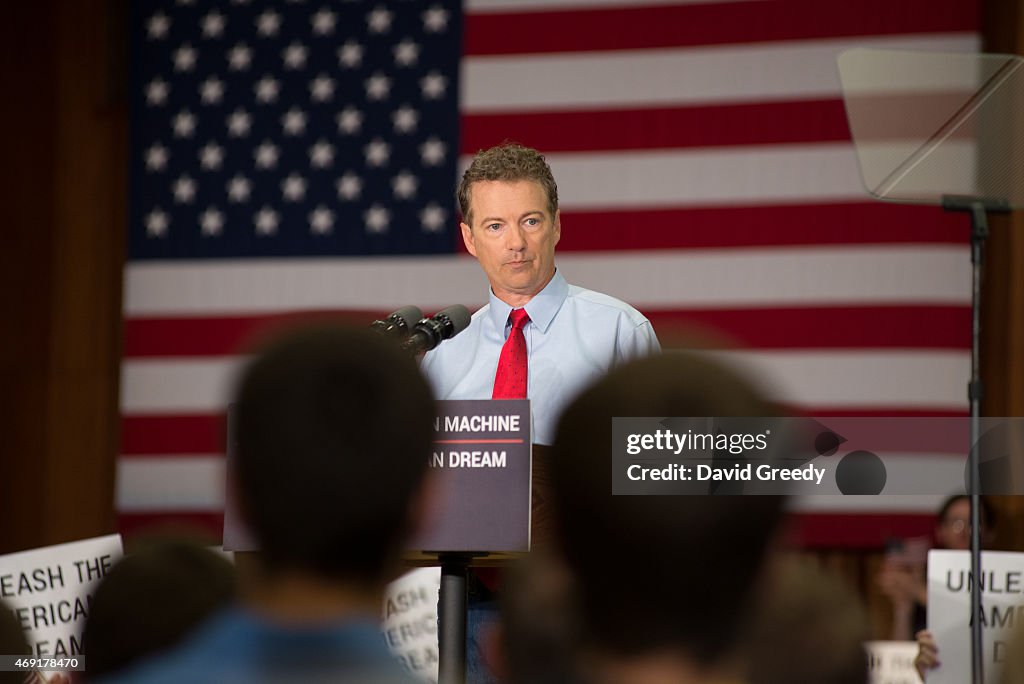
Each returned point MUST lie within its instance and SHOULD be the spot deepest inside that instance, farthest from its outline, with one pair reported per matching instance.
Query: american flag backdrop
(300, 156)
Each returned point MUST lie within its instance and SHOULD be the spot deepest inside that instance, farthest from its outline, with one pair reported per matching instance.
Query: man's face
(513, 236)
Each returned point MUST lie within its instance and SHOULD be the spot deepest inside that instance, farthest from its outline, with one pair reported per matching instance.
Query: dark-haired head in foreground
(811, 629)
(660, 579)
(333, 430)
(150, 600)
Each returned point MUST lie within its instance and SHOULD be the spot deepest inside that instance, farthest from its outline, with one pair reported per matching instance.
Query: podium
(493, 506)
(455, 566)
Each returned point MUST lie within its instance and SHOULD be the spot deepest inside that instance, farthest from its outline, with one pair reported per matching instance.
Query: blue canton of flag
(296, 128)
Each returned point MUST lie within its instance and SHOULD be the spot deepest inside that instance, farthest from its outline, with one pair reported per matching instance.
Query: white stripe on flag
(791, 70)
(779, 277)
(736, 176)
(196, 483)
(685, 279)
(915, 379)
(814, 173)
(922, 379)
(191, 483)
(181, 386)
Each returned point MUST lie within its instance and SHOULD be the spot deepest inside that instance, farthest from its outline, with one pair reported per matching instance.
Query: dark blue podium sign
(481, 460)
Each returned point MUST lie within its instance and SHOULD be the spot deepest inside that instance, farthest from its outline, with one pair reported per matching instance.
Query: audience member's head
(539, 626)
(12, 642)
(333, 432)
(811, 630)
(953, 527)
(672, 575)
(150, 600)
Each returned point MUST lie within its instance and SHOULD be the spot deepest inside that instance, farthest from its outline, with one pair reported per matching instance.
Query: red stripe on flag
(856, 530)
(220, 335)
(761, 123)
(668, 127)
(905, 326)
(203, 524)
(759, 226)
(202, 435)
(173, 434)
(847, 223)
(708, 24)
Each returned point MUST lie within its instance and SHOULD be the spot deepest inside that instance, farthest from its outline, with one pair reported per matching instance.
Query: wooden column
(1002, 344)
(62, 260)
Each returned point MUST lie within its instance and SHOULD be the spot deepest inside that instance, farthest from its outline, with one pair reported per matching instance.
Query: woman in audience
(953, 532)
(902, 577)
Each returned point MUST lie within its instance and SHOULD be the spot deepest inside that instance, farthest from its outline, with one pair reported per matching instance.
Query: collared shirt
(574, 336)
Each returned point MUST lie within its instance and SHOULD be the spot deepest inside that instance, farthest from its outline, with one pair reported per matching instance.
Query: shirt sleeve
(432, 368)
(636, 341)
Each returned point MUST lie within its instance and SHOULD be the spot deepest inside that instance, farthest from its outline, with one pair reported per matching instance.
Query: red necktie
(510, 378)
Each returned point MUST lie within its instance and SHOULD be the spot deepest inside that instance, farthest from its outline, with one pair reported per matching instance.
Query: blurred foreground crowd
(643, 589)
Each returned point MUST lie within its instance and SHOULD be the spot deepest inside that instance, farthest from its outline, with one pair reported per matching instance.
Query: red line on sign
(479, 441)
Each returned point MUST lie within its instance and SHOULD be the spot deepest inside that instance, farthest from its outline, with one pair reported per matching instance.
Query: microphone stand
(978, 208)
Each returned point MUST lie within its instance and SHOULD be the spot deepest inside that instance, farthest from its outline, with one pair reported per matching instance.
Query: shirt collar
(542, 307)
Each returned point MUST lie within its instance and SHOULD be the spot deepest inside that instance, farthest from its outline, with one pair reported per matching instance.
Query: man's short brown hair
(508, 161)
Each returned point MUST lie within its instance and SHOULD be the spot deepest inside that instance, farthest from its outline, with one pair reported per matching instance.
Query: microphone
(398, 324)
(430, 332)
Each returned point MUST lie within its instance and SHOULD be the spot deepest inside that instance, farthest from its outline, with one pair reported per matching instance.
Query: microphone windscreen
(459, 316)
(409, 315)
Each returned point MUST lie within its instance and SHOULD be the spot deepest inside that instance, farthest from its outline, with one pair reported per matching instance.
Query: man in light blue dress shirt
(509, 203)
(511, 224)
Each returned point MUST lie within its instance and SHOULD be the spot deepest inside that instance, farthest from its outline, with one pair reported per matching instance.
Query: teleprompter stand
(944, 128)
(979, 210)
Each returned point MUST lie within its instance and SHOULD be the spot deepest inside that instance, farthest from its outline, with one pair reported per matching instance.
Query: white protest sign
(410, 620)
(949, 610)
(891, 662)
(50, 590)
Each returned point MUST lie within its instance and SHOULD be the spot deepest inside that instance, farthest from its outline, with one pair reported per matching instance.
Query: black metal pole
(979, 231)
(978, 208)
(451, 637)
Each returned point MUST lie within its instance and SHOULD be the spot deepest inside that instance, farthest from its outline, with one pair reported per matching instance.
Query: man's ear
(467, 237)
(558, 225)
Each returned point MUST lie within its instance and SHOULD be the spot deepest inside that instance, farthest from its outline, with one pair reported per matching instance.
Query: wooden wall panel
(62, 258)
(25, 267)
(1003, 300)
